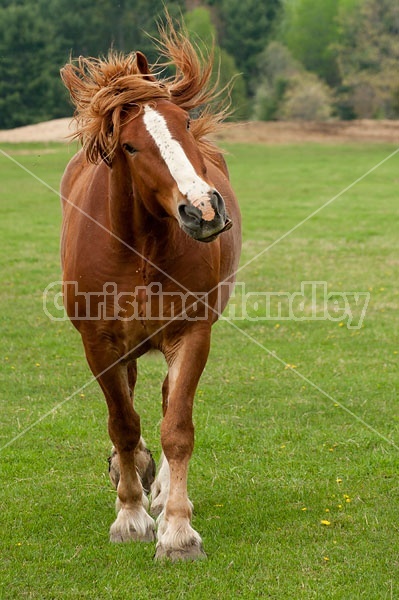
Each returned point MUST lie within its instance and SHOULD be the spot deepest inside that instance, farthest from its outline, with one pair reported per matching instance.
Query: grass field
(295, 471)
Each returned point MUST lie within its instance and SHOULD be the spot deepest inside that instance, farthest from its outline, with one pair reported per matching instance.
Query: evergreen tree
(203, 33)
(27, 73)
(38, 37)
(309, 29)
(246, 26)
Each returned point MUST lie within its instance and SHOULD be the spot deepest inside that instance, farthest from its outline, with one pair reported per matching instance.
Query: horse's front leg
(132, 521)
(144, 463)
(177, 540)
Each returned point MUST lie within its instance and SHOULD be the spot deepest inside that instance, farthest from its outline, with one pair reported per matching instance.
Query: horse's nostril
(218, 203)
(190, 215)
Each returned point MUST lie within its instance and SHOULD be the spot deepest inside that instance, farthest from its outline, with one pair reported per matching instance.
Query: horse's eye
(129, 149)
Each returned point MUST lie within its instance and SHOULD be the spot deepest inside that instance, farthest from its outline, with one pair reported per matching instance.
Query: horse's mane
(103, 89)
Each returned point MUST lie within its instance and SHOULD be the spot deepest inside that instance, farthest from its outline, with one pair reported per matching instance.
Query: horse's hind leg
(160, 487)
(132, 521)
(177, 540)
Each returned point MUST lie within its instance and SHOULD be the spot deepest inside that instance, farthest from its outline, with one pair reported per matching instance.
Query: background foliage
(336, 58)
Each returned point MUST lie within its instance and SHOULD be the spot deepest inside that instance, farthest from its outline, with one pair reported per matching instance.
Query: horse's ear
(142, 65)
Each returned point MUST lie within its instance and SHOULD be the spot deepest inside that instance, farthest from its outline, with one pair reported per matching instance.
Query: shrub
(287, 91)
(306, 99)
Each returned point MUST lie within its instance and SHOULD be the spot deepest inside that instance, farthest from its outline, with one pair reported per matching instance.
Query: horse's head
(168, 170)
(125, 112)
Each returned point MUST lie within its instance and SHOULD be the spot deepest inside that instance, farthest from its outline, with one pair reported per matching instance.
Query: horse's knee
(177, 440)
(124, 430)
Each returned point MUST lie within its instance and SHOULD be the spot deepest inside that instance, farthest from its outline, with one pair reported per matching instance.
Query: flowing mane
(103, 90)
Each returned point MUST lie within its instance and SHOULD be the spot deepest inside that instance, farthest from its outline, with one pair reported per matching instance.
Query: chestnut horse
(147, 239)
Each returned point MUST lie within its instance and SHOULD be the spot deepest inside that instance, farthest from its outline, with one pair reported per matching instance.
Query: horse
(150, 244)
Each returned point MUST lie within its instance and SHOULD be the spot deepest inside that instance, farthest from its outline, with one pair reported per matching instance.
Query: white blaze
(181, 169)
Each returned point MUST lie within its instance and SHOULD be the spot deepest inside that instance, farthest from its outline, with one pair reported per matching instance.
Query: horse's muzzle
(206, 219)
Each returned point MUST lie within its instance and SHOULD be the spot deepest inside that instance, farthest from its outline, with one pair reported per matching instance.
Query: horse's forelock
(102, 89)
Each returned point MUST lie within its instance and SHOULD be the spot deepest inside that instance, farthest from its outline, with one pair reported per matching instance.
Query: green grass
(274, 457)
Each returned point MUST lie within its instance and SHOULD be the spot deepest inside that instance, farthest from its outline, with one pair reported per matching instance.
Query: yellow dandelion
(325, 522)
(82, 395)
(304, 508)
(341, 324)
(338, 480)
(37, 364)
(326, 558)
(327, 510)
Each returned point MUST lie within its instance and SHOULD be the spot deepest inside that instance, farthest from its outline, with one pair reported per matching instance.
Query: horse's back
(71, 173)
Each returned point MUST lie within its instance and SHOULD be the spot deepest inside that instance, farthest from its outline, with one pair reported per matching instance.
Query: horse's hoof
(132, 526)
(120, 536)
(187, 553)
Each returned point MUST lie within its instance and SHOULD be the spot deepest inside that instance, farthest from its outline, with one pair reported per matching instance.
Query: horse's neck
(127, 215)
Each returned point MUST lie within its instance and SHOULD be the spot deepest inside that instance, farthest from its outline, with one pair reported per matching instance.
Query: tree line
(290, 59)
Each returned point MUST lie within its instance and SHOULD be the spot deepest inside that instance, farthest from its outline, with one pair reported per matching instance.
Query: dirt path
(252, 132)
